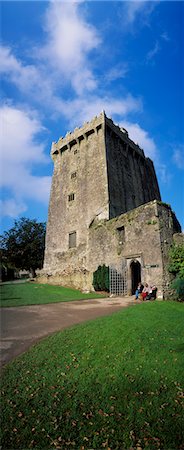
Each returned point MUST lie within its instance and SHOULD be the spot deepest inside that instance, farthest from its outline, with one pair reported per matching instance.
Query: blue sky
(64, 62)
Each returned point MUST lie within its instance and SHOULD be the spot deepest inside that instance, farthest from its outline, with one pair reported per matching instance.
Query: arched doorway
(135, 274)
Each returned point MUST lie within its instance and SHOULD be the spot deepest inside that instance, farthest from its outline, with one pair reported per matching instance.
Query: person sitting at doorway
(152, 293)
(145, 291)
(138, 290)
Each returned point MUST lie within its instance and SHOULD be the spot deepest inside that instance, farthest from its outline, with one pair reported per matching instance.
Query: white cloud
(165, 36)
(178, 156)
(64, 58)
(164, 172)
(8, 62)
(147, 143)
(84, 80)
(133, 9)
(153, 51)
(20, 151)
(19, 130)
(83, 109)
(137, 10)
(70, 39)
(34, 81)
(23, 76)
(116, 72)
(80, 108)
(12, 208)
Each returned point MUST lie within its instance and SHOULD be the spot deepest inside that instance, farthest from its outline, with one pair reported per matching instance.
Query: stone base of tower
(135, 245)
(79, 279)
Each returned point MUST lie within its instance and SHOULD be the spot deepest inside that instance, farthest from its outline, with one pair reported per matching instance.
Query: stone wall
(178, 238)
(141, 243)
(168, 226)
(131, 177)
(147, 236)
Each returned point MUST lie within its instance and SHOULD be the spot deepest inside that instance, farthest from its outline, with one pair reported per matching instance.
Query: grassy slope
(33, 294)
(115, 383)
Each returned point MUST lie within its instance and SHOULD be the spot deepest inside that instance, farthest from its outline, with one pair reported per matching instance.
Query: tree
(176, 260)
(176, 267)
(22, 247)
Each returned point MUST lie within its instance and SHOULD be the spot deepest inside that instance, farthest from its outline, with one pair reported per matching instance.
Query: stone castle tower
(100, 176)
(99, 172)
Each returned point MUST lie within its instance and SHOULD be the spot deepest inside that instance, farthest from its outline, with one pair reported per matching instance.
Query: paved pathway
(24, 325)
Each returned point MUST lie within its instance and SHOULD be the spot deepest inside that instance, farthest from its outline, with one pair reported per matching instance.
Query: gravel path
(23, 326)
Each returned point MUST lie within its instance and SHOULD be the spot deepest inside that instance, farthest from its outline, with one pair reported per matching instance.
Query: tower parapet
(78, 135)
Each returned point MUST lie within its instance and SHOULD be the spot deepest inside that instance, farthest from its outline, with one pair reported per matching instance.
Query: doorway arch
(135, 267)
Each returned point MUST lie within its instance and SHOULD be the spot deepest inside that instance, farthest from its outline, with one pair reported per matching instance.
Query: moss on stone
(151, 222)
(167, 205)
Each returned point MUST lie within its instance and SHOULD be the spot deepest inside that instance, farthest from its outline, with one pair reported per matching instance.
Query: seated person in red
(145, 291)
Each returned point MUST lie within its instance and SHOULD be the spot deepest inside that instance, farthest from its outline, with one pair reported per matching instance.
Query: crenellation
(87, 128)
(124, 136)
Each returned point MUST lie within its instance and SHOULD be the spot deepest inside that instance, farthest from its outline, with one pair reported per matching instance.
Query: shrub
(178, 286)
(176, 267)
(176, 260)
(101, 278)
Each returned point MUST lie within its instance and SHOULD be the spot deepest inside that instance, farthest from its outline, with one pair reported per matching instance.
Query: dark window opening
(121, 234)
(73, 175)
(72, 239)
(71, 197)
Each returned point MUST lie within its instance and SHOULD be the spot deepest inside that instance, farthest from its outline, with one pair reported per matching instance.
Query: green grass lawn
(38, 294)
(113, 383)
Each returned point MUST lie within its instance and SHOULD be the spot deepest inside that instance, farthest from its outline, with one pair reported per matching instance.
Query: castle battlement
(87, 129)
(79, 134)
(122, 133)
